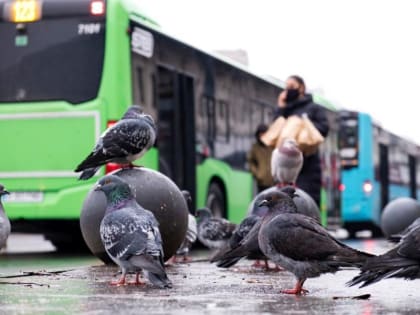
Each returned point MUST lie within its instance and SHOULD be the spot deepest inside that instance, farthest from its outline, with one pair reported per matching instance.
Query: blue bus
(377, 166)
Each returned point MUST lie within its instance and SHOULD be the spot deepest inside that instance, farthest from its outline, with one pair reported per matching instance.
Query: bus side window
(222, 121)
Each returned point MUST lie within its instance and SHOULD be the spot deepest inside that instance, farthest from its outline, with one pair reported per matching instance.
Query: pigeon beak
(98, 187)
(4, 192)
(263, 203)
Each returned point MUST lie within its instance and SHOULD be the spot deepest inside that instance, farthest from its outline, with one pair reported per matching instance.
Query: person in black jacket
(294, 101)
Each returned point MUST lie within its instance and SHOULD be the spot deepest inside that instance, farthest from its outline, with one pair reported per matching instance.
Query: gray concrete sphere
(155, 192)
(304, 202)
(398, 214)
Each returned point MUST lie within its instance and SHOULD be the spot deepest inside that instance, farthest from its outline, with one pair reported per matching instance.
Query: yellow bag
(291, 129)
(309, 137)
(271, 135)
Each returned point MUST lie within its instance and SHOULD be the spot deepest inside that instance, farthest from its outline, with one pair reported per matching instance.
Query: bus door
(176, 127)
(413, 176)
(384, 174)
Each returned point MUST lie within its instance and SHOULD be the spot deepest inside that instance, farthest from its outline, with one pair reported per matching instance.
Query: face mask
(292, 95)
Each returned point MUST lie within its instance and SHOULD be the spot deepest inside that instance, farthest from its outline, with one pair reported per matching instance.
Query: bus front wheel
(216, 200)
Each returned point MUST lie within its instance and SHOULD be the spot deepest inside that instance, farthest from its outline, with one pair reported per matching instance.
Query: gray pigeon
(286, 163)
(4, 221)
(403, 261)
(249, 246)
(300, 244)
(239, 246)
(190, 235)
(130, 234)
(122, 143)
(213, 232)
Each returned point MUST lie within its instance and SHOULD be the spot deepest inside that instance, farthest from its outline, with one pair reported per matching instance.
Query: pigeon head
(290, 142)
(3, 191)
(290, 191)
(149, 119)
(116, 190)
(278, 201)
(203, 213)
(134, 111)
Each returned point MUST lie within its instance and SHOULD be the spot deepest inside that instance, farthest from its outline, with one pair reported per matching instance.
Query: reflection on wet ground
(81, 285)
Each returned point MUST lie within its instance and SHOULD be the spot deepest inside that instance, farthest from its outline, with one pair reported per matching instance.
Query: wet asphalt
(47, 282)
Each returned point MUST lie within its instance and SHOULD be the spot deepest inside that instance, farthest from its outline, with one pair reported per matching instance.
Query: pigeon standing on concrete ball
(126, 141)
(130, 234)
(286, 163)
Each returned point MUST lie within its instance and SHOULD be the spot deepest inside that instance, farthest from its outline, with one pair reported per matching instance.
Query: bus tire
(216, 200)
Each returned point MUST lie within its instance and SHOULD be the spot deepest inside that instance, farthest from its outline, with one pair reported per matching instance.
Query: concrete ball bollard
(155, 192)
(399, 214)
(304, 203)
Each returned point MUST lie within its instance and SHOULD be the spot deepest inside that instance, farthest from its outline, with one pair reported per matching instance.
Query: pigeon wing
(410, 244)
(124, 236)
(129, 136)
(301, 238)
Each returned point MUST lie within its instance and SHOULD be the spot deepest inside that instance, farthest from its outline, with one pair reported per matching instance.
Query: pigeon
(403, 261)
(395, 238)
(286, 163)
(4, 221)
(213, 232)
(301, 245)
(122, 143)
(249, 246)
(229, 254)
(130, 234)
(191, 234)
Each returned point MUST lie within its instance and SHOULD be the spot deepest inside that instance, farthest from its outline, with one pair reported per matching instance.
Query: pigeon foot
(119, 282)
(137, 281)
(297, 290)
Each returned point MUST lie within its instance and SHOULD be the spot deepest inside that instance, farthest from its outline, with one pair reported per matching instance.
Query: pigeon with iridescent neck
(130, 234)
(126, 141)
(4, 221)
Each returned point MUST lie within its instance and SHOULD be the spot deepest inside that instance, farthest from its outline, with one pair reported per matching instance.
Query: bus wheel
(216, 200)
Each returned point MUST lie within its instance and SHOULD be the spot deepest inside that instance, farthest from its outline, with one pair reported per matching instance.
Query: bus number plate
(24, 196)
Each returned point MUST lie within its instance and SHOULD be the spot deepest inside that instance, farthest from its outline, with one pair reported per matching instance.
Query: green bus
(69, 69)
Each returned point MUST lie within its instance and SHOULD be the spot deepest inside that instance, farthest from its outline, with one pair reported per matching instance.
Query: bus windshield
(52, 59)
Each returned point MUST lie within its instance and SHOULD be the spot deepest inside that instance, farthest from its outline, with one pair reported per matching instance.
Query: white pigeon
(286, 163)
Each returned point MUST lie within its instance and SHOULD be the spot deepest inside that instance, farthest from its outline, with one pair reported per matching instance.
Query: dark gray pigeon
(300, 244)
(4, 221)
(286, 163)
(395, 238)
(213, 232)
(403, 261)
(190, 235)
(234, 249)
(130, 234)
(249, 246)
(122, 143)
